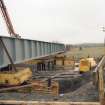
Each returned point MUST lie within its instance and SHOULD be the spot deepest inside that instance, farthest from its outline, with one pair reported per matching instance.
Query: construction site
(34, 72)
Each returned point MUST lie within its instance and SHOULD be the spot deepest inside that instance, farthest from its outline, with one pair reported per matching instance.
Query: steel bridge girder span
(24, 49)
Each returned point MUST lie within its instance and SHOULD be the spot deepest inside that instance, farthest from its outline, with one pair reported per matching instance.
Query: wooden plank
(13, 102)
(101, 86)
(18, 87)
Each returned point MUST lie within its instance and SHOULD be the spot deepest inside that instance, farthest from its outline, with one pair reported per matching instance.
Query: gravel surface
(86, 92)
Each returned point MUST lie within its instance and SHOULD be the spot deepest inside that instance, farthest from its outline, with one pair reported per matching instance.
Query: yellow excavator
(86, 64)
(15, 76)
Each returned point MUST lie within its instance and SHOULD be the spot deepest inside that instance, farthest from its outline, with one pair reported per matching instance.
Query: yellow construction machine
(15, 77)
(86, 64)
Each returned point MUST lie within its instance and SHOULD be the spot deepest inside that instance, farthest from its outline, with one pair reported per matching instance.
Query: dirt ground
(85, 92)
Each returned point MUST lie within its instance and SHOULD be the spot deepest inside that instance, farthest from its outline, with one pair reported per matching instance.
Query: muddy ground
(86, 92)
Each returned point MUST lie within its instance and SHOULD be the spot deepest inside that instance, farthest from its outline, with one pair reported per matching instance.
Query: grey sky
(69, 21)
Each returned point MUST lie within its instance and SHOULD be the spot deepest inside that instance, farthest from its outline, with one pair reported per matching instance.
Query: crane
(7, 19)
(17, 77)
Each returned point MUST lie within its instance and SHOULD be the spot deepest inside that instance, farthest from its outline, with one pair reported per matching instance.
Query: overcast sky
(68, 21)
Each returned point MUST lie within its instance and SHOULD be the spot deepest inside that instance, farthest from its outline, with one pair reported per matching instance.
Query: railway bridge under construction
(17, 52)
(20, 50)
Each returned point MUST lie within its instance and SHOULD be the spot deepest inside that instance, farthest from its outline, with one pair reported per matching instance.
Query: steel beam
(22, 50)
